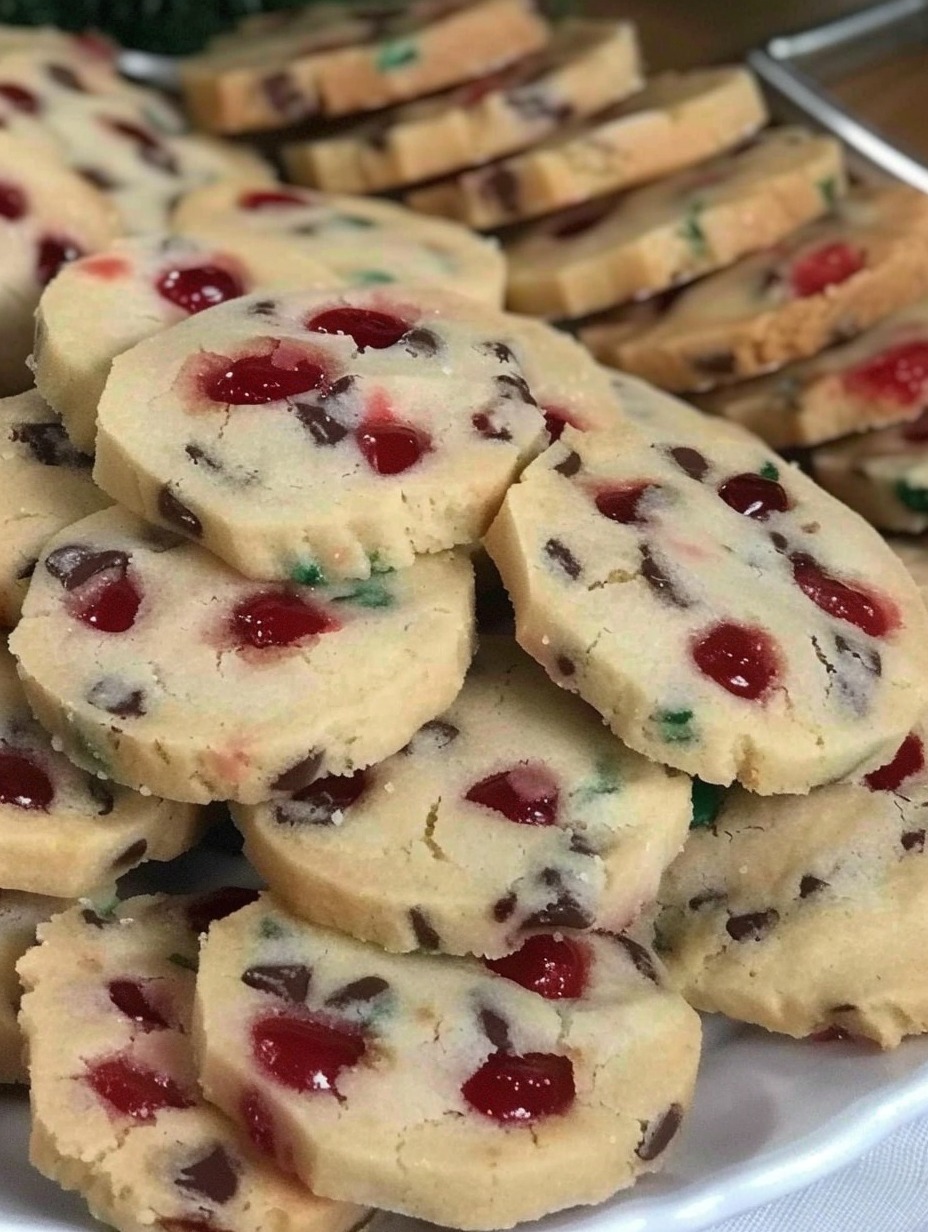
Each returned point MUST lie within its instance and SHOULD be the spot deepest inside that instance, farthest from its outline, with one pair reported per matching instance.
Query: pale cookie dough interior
(20, 916)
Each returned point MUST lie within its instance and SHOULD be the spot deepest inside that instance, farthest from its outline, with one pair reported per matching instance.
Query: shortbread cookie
(677, 120)
(804, 914)
(321, 73)
(701, 220)
(825, 284)
(63, 831)
(275, 684)
(20, 916)
(116, 1113)
(313, 434)
(914, 555)
(366, 243)
(516, 809)
(445, 1070)
(587, 67)
(723, 614)
(50, 216)
(137, 288)
(878, 379)
(45, 484)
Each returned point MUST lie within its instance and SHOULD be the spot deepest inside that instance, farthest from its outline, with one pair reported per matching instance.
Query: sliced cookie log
(275, 685)
(587, 67)
(319, 435)
(443, 1067)
(116, 1112)
(366, 243)
(803, 914)
(20, 916)
(50, 216)
(724, 614)
(825, 284)
(669, 233)
(45, 484)
(880, 378)
(64, 831)
(515, 809)
(677, 120)
(135, 289)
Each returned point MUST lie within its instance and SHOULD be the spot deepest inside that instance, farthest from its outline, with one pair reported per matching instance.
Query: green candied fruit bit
(606, 781)
(829, 190)
(369, 593)
(691, 230)
(397, 54)
(309, 574)
(378, 566)
(370, 278)
(181, 960)
(270, 930)
(912, 497)
(707, 802)
(676, 726)
(769, 471)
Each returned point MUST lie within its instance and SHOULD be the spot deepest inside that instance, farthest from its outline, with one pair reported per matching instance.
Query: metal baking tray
(799, 69)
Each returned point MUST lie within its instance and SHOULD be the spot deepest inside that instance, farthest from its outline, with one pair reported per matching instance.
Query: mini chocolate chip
(200, 457)
(324, 430)
(286, 97)
(846, 1008)
(753, 925)
(365, 989)
(26, 571)
(421, 342)
(690, 461)
(49, 445)
(565, 666)
(99, 179)
(511, 386)
(500, 350)
(178, 514)
(640, 956)
(484, 425)
(913, 840)
(426, 936)
(339, 387)
(658, 1134)
(779, 541)
(65, 76)
(263, 308)
(94, 919)
(101, 795)
(580, 844)
(116, 697)
(502, 185)
(496, 1029)
(714, 363)
(561, 554)
(563, 912)
(160, 157)
(74, 564)
(504, 907)
(132, 855)
(300, 775)
(659, 581)
(570, 466)
(213, 1177)
(289, 981)
(704, 898)
(809, 885)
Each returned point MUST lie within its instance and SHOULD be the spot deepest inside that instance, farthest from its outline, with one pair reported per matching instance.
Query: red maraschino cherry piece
(825, 267)
(256, 380)
(133, 1090)
(24, 784)
(368, 329)
(754, 496)
(899, 374)
(741, 659)
(517, 1090)
(131, 999)
(111, 606)
(306, 1053)
(621, 504)
(909, 760)
(556, 420)
(554, 967)
(527, 794)
(13, 203)
(199, 287)
(271, 199)
(54, 252)
(277, 618)
(391, 448)
(853, 604)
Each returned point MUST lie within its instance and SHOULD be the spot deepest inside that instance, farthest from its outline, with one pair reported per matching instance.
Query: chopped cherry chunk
(856, 606)
(517, 1090)
(278, 618)
(111, 607)
(621, 504)
(391, 448)
(741, 659)
(216, 905)
(269, 199)
(13, 203)
(306, 1053)
(377, 330)
(899, 374)
(130, 998)
(199, 287)
(917, 430)
(527, 794)
(53, 252)
(23, 783)
(825, 267)
(19, 97)
(909, 760)
(256, 380)
(135, 1091)
(754, 496)
(554, 967)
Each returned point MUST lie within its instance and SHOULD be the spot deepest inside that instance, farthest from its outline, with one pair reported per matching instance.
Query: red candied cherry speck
(909, 760)
(754, 496)
(199, 287)
(621, 504)
(516, 1090)
(256, 380)
(53, 252)
(23, 783)
(133, 1090)
(377, 330)
(899, 374)
(104, 267)
(13, 203)
(130, 998)
(741, 659)
(20, 98)
(216, 905)
(277, 618)
(111, 606)
(391, 448)
(527, 794)
(306, 1053)
(825, 267)
(858, 607)
(269, 199)
(554, 967)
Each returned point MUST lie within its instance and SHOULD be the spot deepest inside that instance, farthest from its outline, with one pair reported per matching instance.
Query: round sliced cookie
(515, 810)
(156, 665)
(20, 916)
(445, 1069)
(366, 243)
(878, 379)
(319, 435)
(823, 285)
(671, 232)
(587, 67)
(803, 914)
(135, 289)
(64, 831)
(914, 555)
(116, 1112)
(50, 216)
(678, 119)
(722, 613)
(45, 484)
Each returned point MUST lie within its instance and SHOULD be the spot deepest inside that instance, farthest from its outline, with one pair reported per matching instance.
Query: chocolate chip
(563, 912)
(49, 445)
(779, 541)
(690, 461)
(300, 775)
(714, 363)
(437, 734)
(485, 426)
(286, 97)
(499, 350)
(753, 925)
(289, 981)
(640, 956)
(62, 75)
(178, 514)
(580, 844)
(658, 1134)
(132, 855)
(561, 554)
(199, 457)
(116, 697)
(511, 386)
(565, 666)
(570, 466)
(213, 1177)
(426, 936)
(101, 795)
(26, 571)
(338, 388)
(809, 885)
(846, 1008)
(365, 989)
(504, 907)
(704, 898)
(421, 342)
(659, 581)
(324, 430)
(94, 919)
(496, 1029)
(99, 179)
(913, 840)
(74, 564)
(502, 185)
(263, 308)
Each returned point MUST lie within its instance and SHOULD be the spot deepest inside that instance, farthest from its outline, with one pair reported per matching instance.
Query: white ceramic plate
(770, 1116)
